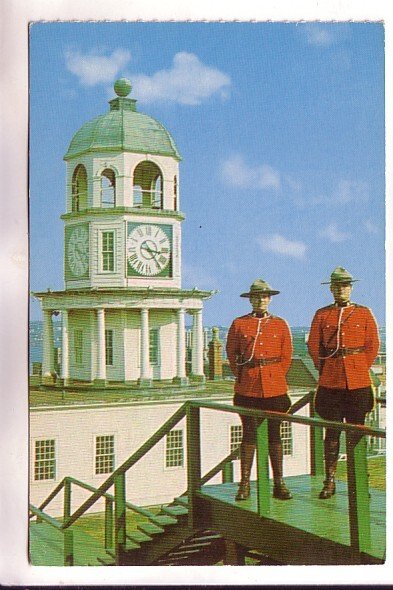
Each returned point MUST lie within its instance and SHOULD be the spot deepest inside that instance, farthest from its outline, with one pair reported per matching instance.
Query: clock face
(78, 250)
(148, 250)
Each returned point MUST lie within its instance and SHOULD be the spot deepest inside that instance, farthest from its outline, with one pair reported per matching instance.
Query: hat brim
(260, 292)
(332, 282)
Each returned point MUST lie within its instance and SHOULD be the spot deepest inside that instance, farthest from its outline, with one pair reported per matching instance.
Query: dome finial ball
(122, 87)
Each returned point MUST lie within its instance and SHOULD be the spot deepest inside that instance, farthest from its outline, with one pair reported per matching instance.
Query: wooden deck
(310, 530)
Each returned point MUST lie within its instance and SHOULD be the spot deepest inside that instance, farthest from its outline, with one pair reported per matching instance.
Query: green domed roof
(123, 129)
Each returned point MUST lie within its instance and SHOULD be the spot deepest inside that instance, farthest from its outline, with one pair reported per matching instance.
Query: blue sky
(281, 130)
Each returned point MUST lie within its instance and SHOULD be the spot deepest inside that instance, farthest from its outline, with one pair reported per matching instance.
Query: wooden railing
(356, 448)
(116, 504)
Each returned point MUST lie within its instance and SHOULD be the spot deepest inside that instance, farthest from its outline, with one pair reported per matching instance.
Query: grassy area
(376, 469)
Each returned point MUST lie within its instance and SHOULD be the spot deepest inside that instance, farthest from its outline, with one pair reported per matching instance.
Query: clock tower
(123, 308)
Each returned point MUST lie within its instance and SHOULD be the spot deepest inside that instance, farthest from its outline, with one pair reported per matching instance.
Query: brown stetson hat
(260, 286)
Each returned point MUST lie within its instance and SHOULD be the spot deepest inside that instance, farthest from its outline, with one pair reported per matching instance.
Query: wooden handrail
(43, 516)
(318, 422)
(53, 494)
(301, 403)
(111, 497)
(147, 446)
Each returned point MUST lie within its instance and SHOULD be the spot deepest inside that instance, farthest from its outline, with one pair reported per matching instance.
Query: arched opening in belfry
(108, 189)
(79, 189)
(148, 186)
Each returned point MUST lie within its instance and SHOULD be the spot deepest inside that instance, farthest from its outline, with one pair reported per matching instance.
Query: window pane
(109, 347)
(236, 437)
(286, 437)
(105, 454)
(174, 453)
(44, 460)
(108, 250)
(154, 341)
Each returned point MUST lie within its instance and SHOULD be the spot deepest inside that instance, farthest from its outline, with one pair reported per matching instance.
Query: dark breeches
(280, 403)
(339, 405)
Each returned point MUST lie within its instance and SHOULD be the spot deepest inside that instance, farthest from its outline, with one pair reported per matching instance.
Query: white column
(47, 347)
(197, 348)
(145, 378)
(65, 367)
(181, 349)
(101, 363)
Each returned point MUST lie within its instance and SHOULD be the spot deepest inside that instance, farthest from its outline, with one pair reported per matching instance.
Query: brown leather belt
(346, 351)
(263, 362)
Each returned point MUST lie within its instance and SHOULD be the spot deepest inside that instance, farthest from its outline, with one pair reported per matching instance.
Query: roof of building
(123, 129)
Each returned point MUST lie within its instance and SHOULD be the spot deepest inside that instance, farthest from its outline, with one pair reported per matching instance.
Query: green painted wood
(150, 528)
(52, 495)
(164, 520)
(358, 493)
(174, 510)
(182, 500)
(263, 487)
(41, 516)
(227, 473)
(46, 546)
(67, 499)
(120, 516)
(68, 547)
(316, 448)
(324, 520)
(139, 537)
(108, 523)
(193, 460)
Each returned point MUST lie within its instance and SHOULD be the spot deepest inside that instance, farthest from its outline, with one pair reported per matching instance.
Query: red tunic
(358, 330)
(274, 341)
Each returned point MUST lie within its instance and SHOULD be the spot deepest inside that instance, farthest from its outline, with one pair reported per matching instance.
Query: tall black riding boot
(280, 490)
(247, 451)
(331, 448)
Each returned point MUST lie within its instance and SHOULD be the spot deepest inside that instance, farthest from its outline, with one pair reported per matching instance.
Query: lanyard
(255, 341)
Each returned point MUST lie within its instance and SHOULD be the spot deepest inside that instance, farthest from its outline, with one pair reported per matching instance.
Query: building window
(154, 346)
(174, 452)
(236, 437)
(44, 460)
(78, 346)
(108, 189)
(105, 454)
(79, 189)
(108, 251)
(148, 186)
(109, 347)
(286, 437)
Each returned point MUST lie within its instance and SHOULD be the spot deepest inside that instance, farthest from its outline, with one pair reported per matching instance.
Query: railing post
(193, 461)
(68, 547)
(108, 523)
(120, 516)
(358, 494)
(227, 472)
(263, 488)
(316, 445)
(67, 500)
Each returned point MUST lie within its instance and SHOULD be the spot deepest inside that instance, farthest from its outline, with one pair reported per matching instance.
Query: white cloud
(93, 68)
(319, 35)
(188, 81)
(370, 226)
(280, 245)
(346, 191)
(334, 234)
(237, 172)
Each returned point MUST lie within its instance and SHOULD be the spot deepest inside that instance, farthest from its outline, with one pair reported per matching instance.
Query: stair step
(106, 560)
(163, 519)
(131, 544)
(174, 510)
(182, 500)
(149, 528)
(139, 537)
(207, 538)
